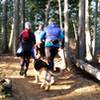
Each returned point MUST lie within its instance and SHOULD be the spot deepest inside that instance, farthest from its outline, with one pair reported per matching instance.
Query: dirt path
(69, 86)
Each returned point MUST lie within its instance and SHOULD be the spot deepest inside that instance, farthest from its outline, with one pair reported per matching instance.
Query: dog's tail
(56, 72)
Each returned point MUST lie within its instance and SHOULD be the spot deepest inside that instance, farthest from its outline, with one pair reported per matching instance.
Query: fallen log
(88, 68)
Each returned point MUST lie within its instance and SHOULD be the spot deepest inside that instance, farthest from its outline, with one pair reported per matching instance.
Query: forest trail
(69, 85)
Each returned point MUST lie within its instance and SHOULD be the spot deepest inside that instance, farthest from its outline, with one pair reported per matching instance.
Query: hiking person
(27, 41)
(39, 46)
(53, 35)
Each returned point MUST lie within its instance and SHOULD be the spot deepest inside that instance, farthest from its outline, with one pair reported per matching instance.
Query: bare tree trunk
(60, 13)
(66, 49)
(81, 30)
(4, 27)
(75, 30)
(95, 30)
(88, 68)
(22, 13)
(16, 25)
(47, 11)
(87, 33)
(11, 36)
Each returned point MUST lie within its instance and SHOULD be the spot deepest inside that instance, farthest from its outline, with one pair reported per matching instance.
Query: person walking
(27, 42)
(53, 37)
(39, 46)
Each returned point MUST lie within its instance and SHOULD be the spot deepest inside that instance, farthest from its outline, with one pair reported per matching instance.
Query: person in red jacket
(27, 42)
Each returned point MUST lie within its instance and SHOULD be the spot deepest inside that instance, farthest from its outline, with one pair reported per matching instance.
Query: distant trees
(95, 28)
(47, 11)
(4, 27)
(22, 13)
(72, 16)
(60, 14)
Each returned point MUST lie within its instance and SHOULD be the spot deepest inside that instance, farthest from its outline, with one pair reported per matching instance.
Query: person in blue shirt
(53, 37)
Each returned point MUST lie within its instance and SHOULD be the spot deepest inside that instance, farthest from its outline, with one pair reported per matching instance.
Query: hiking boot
(21, 72)
(25, 74)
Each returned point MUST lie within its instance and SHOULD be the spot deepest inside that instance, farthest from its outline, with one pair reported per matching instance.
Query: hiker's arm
(43, 36)
(33, 39)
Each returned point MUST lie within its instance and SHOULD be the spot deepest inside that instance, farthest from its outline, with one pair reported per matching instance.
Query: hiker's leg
(54, 51)
(37, 52)
(49, 58)
(42, 50)
(27, 60)
(22, 65)
(50, 55)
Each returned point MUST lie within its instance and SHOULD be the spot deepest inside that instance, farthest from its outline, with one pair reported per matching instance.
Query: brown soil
(69, 85)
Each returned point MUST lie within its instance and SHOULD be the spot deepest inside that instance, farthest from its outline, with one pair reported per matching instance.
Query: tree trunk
(87, 34)
(47, 11)
(4, 27)
(16, 25)
(95, 30)
(81, 30)
(60, 13)
(66, 47)
(88, 68)
(11, 36)
(75, 30)
(22, 13)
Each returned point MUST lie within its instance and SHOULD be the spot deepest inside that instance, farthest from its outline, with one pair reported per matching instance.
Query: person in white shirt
(39, 46)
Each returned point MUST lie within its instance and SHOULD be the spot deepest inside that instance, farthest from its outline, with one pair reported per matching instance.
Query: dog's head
(38, 64)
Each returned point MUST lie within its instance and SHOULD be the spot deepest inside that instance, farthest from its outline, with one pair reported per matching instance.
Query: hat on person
(28, 25)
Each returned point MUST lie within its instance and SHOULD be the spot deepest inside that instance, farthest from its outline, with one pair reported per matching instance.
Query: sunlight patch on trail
(59, 87)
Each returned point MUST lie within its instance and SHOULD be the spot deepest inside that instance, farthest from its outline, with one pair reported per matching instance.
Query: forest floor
(70, 85)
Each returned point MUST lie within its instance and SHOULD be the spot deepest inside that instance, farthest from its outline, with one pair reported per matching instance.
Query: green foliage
(0, 15)
(54, 10)
(73, 16)
(35, 11)
(92, 21)
(71, 30)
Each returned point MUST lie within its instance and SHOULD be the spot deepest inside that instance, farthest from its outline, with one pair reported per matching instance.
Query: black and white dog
(44, 75)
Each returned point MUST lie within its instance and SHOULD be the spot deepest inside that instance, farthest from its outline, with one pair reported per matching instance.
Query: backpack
(25, 35)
